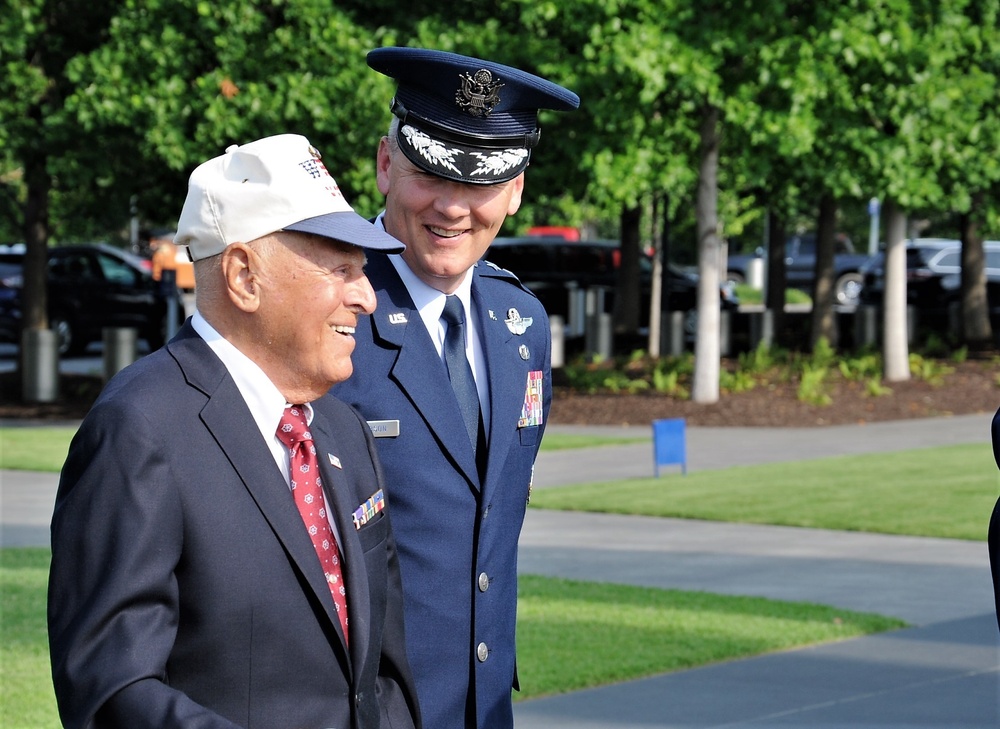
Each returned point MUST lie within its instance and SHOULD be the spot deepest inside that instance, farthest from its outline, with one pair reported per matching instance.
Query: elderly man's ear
(240, 269)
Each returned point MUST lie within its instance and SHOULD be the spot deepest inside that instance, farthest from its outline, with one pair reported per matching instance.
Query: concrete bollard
(39, 365)
(761, 328)
(599, 339)
(672, 333)
(557, 331)
(725, 333)
(866, 326)
(120, 349)
(755, 273)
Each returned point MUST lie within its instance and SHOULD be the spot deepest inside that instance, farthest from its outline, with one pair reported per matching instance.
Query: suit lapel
(504, 371)
(417, 368)
(228, 419)
(341, 498)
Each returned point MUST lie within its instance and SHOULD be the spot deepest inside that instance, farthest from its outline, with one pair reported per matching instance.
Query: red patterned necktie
(307, 491)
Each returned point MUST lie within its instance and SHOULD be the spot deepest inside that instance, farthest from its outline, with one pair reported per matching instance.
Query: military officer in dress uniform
(453, 372)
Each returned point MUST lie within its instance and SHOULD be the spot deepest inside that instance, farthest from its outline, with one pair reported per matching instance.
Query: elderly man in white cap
(221, 547)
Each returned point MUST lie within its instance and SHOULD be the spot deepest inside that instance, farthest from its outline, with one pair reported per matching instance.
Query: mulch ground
(973, 387)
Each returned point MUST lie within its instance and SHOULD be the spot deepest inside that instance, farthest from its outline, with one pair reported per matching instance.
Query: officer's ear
(517, 191)
(383, 162)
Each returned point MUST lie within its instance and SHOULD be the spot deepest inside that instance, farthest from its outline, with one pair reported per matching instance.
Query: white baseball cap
(276, 183)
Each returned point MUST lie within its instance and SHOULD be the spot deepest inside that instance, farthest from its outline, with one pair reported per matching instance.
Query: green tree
(38, 134)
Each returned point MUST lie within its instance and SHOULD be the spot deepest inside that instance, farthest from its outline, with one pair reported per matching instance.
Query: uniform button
(358, 698)
(482, 652)
(484, 582)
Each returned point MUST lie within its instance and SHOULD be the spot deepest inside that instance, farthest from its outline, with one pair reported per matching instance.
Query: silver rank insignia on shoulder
(516, 323)
(523, 351)
(397, 318)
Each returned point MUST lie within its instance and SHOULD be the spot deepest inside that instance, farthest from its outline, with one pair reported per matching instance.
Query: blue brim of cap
(351, 228)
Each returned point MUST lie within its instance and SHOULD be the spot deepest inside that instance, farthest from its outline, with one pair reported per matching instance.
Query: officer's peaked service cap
(463, 118)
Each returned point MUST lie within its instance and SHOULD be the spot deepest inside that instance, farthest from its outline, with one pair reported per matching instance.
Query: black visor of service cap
(465, 119)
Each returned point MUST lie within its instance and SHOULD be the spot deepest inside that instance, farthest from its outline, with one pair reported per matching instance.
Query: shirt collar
(265, 402)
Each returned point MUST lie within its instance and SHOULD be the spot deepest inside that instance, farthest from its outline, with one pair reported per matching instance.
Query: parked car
(89, 287)
(800, 266)
(933, 276)
(552, 266)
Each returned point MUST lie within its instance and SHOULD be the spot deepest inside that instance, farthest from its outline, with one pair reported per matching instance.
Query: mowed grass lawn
(947, 491)
(577, 634)
(45, 449)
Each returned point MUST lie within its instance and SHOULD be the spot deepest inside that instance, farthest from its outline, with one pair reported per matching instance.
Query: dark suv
(552, 267)
(933, 277)
(89, 287)
(800, 266)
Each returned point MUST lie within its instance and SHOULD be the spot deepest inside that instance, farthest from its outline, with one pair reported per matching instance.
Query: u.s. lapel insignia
(523, 351)
(516, 323)
(397, 317)
(334, 461)
(493, 315)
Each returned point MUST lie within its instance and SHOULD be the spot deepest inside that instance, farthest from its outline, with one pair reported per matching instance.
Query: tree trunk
(776, 281)
(656, 296)
(824, 325)
(34, 294)
(628, 286)
(977, 332)
(705, 388)
(895, 353)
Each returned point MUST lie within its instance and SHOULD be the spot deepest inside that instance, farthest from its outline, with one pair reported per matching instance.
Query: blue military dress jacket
(456, 532)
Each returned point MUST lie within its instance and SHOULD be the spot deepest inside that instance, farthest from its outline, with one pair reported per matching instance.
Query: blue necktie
(459, 371)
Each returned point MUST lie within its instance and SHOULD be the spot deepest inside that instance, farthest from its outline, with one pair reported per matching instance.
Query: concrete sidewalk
(942, 672)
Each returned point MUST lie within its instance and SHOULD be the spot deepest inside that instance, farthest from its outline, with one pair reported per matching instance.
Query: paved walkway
(944, 671)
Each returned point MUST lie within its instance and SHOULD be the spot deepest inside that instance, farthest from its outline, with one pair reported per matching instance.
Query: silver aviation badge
(516, 323)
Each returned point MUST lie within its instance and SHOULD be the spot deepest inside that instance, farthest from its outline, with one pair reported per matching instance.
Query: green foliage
(861, 367)
(929, 370)
(668, 382)
(760, 360)
(823, 355)
(936, 345)
(875, 388)
(813, 375)
(812, 386)
(736, 381)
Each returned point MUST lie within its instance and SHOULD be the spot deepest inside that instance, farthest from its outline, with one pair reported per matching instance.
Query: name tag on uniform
(384, 428)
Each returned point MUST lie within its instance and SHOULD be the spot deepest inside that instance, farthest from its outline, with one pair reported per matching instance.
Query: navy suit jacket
(457, 534)
(993, 539)
(184, 590)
